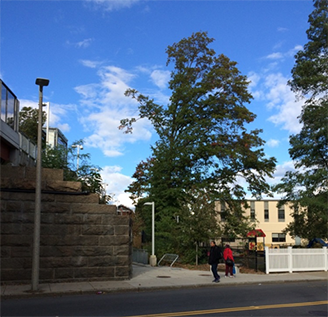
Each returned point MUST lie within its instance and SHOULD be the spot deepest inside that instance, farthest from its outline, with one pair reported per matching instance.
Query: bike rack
(168, 257)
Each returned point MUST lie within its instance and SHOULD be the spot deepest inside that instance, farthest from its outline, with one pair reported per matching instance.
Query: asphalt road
(283, 299)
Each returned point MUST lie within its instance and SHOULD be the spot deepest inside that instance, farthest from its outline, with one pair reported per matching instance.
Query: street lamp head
(77, 146)
(42, 82)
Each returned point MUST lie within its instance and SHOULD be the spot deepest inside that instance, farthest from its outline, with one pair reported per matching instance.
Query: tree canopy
(307, 186)
(28, 122)
(63, 158)
(204, 147)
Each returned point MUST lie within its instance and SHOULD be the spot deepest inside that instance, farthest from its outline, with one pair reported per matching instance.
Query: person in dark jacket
(214, 258)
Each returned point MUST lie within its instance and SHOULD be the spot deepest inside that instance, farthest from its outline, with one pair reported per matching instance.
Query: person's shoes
(226, 276)
(217, 280)
(214, 281)
(231, 276)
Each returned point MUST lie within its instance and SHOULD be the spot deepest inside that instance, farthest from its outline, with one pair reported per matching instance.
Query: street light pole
(78, 147)
(41, 82)
(152, 259)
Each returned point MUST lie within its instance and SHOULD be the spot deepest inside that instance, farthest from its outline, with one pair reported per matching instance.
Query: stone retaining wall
(80, 238)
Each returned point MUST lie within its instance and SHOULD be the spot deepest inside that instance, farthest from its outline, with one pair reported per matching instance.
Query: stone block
(123, 272)
(64, 273)
(55, 262)
(27, 229)
(13, 263)
(52, 207)
(97, 230)
(121, 250)
(17, 217)
(11, 172)
(47, 219)
(121, 240)
(3, 206)
(50, 229)
(98, 261)
(5, 251)
(18, 275)
(94, 273)
(27, 184)
(30, 172)
(52, 174)
(122, 230)
(82, 199)
(68, 240)
(68, 219)
(92, 219)
(93, 251)
(16, 240)
(22, 252)
(93, 208)
(29, 206)
(116, 220)
(16, 206)
(46, 275)
(63, 186)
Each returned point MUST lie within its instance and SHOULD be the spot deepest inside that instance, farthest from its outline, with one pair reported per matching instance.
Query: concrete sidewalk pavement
(151, 278)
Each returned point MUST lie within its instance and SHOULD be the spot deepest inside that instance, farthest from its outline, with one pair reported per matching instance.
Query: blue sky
(93, 50)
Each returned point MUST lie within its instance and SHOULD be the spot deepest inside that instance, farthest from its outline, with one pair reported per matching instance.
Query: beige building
(271, 220)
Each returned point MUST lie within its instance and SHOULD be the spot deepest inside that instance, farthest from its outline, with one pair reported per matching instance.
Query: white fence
(293, 260)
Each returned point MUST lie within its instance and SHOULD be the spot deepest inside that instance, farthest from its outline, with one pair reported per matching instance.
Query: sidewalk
(149, 278)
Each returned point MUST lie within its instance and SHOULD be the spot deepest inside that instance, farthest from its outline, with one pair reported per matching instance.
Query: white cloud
(112, 5)
(81, 44)
(282, 29)
(274, 90)
(106, 105)
(116, 184)
(273, 143)
(283, 100)
(160, 78)
(276, 55)
(84, 43)
(283, 55)
(90, 64)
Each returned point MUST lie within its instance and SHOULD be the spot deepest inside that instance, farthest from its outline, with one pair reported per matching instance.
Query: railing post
(290, 259)
(267, 263)
(325, 254)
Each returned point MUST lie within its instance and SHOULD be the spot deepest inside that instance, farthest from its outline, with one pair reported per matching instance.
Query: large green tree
(204, 145)
(307, 186)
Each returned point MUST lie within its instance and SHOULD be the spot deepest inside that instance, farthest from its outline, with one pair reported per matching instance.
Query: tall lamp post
(41, 82)
(78, 147)
(152, 259)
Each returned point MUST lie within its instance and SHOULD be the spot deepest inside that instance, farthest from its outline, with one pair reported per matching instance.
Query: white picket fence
(295, 260)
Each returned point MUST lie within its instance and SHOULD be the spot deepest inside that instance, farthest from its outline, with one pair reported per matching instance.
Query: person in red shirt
(227, 254)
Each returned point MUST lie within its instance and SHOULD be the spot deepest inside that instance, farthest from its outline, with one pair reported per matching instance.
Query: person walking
(213, 261)
(229, 261)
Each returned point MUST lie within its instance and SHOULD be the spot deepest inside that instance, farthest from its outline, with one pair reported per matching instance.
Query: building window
(252, 210)
(223, 211)
(266, 211)
(9, 107)
(278, 237)
(281, 214)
